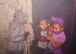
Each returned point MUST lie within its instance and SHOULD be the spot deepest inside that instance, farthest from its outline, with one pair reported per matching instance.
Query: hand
(49, 36)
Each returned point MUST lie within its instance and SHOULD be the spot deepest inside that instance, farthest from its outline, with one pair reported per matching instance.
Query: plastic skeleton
(16, 30)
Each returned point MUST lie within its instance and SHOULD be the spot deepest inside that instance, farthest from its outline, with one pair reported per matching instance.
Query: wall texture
(7, 9)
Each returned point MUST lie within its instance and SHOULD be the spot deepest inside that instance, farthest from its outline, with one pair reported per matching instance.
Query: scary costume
(17, 41)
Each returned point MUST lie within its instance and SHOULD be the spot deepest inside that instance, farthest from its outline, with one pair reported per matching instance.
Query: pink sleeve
(62, 38)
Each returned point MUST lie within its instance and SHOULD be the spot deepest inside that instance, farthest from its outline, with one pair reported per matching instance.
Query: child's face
(57, 28)
(43, 25)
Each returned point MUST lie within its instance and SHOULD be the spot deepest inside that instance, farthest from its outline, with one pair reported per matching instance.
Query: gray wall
(62, 8)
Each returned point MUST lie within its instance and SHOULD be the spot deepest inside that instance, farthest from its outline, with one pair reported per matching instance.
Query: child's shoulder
(62, 37)
(62, 33)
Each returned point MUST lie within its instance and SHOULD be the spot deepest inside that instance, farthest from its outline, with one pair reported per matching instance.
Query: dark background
(62, 8)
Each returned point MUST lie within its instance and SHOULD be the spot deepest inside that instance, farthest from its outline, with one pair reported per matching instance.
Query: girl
(57, 38)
